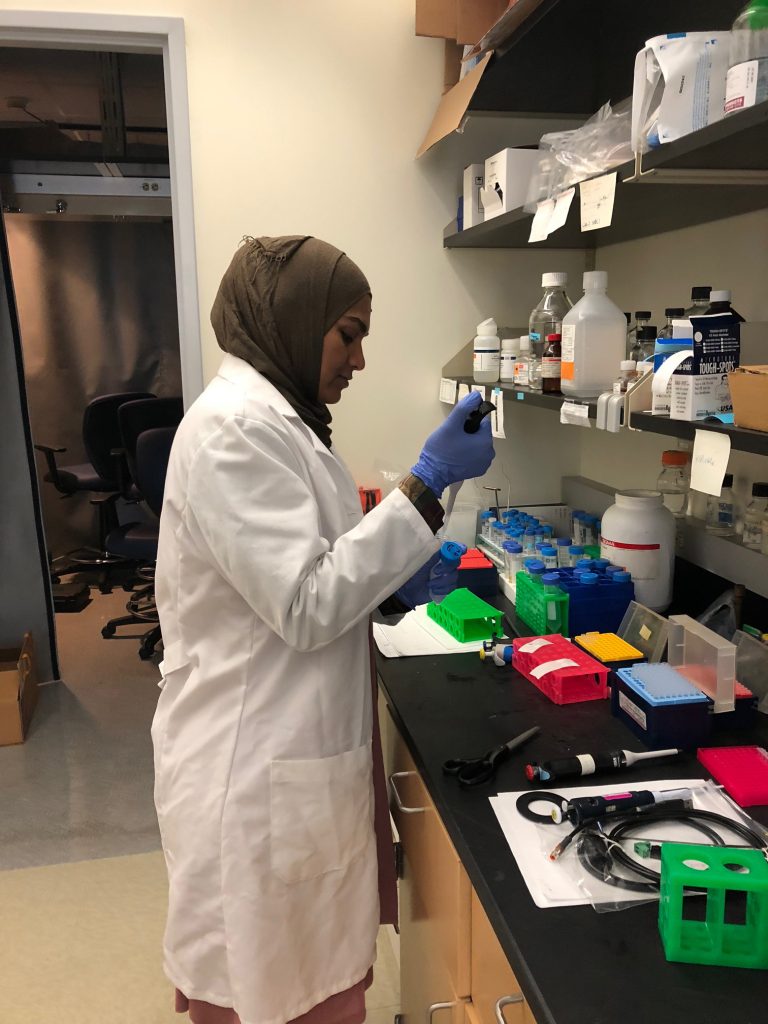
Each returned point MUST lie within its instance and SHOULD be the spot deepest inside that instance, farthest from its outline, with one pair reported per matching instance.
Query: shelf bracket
(693, 175)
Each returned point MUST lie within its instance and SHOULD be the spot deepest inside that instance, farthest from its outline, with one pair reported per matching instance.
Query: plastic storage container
(510, 351)
(638, 532)
(486, 358)
(722, 510)
(704, 657)
(593, 341)
(645, 630)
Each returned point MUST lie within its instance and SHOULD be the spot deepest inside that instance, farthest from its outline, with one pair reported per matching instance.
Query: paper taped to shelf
(572, 412)
(709, 462)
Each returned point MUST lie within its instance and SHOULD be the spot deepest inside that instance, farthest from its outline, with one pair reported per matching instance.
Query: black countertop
(575, 966)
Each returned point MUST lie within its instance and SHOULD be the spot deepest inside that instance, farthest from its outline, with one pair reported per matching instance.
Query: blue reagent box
(661, 706)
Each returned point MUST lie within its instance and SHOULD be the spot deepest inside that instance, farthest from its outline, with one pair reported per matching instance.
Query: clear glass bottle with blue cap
(513, 559)
(549, 556)
(575, 554)
(563, 557)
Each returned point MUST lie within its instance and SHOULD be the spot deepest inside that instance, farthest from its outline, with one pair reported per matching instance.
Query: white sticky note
(572, 412)
(597, 196)
(478, 387)
(497, 417)
(710, 461)
(463, 391)
(448, 390)
(540, 225)
(560, 212)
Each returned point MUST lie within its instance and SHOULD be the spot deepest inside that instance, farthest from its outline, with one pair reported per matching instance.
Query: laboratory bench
(470, 931)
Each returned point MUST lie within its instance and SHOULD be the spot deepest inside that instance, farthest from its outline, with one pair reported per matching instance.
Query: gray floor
(80, 787)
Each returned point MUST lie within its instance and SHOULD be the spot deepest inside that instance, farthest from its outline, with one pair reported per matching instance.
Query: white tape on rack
(552, 666)
(533, 645)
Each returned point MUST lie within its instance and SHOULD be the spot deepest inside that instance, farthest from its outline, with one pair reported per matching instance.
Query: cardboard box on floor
(18, 691)
(749, 394)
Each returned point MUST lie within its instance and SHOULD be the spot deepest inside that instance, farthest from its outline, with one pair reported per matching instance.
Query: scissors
(474, 771)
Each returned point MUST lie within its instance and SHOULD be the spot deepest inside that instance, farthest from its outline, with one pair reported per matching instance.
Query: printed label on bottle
(753, 535)
(484, 361)
(568, 350)
(534, 336)
(642, 561)
(550, 368)
(521, 374)
(746, 84)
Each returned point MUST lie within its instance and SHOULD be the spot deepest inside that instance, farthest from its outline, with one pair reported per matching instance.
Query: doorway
(117, 46)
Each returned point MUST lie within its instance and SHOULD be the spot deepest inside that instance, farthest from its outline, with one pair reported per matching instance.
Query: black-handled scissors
(474, 771)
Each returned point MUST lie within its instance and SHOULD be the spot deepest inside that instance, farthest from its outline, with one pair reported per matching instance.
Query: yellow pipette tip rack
(607, 647)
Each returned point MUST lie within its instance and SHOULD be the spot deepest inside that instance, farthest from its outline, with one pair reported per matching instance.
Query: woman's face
(343, 351)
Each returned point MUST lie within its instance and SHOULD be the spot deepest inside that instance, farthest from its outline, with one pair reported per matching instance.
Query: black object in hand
(475, 418)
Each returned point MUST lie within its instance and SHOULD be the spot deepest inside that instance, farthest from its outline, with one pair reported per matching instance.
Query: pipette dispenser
(560, 669)
(721, 873)
(660, 706)
(743, 771)
(705, 658)
(466, 617)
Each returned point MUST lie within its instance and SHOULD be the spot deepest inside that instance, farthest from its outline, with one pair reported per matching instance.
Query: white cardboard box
(507, 175)
(474, 179)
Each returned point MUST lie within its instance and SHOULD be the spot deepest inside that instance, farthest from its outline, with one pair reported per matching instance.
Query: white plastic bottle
(486, 360)
(510, 350)
(523, 362)
(594, 341)
(638, 532)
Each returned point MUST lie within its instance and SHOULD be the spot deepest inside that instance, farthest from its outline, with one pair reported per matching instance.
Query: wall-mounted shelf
(725, 164)
(529, 397)
(742, 440)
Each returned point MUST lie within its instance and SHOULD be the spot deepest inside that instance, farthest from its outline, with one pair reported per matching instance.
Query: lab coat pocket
(321, 814)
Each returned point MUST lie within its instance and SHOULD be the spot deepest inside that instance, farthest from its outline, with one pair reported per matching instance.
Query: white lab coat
(266, 575)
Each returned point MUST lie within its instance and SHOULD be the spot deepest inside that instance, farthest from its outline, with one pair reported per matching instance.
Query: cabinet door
(427, 993)
(438, 886)
(492, 977)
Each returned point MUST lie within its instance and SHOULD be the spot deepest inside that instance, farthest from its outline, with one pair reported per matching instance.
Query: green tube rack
(718, 871)
(466, 617)
(544, 612)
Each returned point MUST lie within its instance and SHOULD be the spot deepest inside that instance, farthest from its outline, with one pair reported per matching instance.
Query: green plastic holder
(592, 551)
(544, 613)
(694, 929)
(466, 617)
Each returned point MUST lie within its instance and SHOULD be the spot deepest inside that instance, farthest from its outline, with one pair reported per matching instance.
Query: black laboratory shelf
(526, 396)
(570, 56)
(742, 440)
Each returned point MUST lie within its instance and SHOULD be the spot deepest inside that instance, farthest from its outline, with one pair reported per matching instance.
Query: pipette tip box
(610, 649)
(661, 706)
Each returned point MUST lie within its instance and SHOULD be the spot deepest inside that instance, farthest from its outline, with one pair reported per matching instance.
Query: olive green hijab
(277, 300)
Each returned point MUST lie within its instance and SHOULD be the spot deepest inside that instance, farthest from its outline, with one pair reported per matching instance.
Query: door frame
(140, 34)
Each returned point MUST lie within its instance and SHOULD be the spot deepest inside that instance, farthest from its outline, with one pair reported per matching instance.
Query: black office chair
(101, 475)
(138, 541)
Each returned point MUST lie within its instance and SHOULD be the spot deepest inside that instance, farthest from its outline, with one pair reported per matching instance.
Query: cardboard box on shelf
(749, 393)
(507, 176)
(466, 21)
(18, 691)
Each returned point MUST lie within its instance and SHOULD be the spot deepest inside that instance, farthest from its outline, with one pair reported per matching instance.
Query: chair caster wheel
(55, 580)
(108, 631)
(145, 653)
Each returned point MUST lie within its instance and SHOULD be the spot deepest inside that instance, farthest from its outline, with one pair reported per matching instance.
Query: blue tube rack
(598, 608)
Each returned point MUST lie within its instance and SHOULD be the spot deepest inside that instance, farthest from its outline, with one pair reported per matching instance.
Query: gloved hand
(416, 590)
(450, 454)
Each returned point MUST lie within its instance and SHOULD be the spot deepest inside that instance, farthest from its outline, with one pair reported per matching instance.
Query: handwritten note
(597, 197)
(710, 461)
(448, 390)
(560, 212)
(541, 219)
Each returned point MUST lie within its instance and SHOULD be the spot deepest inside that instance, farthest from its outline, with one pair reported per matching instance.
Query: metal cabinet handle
(431, 1010)
(505, 1001)
(406, 810)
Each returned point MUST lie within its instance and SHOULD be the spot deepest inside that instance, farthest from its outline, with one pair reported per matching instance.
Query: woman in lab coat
(265, 747)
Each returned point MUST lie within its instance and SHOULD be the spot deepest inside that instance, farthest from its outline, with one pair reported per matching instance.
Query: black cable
(600, 852)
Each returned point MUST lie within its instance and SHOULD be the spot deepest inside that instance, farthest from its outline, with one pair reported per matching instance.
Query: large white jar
(638, 532)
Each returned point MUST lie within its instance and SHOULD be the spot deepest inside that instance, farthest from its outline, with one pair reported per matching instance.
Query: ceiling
(78, 107)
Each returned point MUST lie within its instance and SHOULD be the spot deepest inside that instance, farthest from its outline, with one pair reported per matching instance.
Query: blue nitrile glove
(450, 454)
(416, 590)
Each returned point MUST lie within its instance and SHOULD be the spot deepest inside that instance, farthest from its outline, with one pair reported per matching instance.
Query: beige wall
(305, 115)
